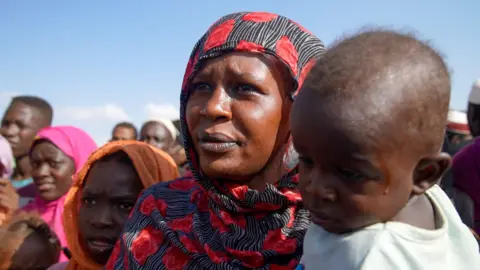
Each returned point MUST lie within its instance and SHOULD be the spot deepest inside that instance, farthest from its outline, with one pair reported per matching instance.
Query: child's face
(34, 253)
(348, 180)
(111, 190)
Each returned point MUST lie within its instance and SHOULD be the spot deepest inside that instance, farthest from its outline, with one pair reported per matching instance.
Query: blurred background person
(124, 131)
(24, 117)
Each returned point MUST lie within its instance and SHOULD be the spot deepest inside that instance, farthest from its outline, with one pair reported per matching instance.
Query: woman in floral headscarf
(241, 208)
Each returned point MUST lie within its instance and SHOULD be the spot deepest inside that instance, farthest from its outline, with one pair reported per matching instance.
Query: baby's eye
(350, 175)
(306, 161)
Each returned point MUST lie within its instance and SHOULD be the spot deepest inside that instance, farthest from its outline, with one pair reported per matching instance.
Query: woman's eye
(246, 88)
(202, 87)
(350, 175)
(54, 163)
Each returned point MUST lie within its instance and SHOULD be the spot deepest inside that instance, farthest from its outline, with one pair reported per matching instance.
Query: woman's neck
(270, 174)
(23, 168)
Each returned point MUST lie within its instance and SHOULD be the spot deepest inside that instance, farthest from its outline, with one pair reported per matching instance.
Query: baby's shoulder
(338, 251)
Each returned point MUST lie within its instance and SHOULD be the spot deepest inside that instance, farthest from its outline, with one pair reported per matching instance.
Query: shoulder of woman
(185, 184)
(160, 196)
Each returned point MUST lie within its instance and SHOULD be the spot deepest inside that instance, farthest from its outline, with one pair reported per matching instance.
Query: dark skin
(52, 170)
(355, 176)
(156, 134)
(34, 253)
(238, 117)
(20, 124)
(110, 192)
(123, 133)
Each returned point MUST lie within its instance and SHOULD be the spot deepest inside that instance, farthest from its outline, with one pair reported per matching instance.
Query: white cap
(474, 97)
(457, 122)
(169, 125)
(458, 117)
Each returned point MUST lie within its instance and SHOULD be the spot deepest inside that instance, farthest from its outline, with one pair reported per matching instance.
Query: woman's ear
(429, 171)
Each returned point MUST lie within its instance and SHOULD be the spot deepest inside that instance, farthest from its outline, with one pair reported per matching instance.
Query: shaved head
(385, 82)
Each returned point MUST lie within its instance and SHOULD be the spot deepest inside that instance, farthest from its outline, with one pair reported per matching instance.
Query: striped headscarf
(191, 223)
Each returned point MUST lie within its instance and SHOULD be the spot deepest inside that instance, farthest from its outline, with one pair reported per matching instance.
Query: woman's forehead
(46, 148)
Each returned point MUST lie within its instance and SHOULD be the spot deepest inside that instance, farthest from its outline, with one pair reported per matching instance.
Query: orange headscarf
(152, 165)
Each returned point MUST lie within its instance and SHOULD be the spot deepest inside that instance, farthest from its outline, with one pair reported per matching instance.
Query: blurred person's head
(457, 127)
(24, 117)
(473, 111)
(124, 131)
(28, 243)
(159, 133)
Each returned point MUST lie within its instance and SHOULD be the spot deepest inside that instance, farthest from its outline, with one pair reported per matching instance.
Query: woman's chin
(223, 169)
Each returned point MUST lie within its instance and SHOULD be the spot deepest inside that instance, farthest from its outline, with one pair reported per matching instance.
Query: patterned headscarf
(199, 223)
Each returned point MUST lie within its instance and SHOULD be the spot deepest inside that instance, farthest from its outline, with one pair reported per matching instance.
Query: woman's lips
(216, 142)
(44, 187)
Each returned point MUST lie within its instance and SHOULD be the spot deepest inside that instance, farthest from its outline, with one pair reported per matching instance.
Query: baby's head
(28, 243)
(368, 124)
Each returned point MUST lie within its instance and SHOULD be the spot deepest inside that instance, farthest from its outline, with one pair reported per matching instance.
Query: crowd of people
(287, 155)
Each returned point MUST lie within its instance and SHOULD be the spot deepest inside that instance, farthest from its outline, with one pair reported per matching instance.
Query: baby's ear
(429, 171)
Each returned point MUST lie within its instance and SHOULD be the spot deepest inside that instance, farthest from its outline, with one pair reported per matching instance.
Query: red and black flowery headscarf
(200, 223)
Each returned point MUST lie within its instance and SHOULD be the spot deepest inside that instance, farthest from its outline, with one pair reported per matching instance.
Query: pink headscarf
(76, 144)
(6, 158)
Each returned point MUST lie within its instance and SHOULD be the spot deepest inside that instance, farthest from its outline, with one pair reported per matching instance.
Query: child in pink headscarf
(57, 154)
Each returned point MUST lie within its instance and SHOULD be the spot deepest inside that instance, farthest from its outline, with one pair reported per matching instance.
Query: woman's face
(110, 192)
(237, 114)
(52, 170)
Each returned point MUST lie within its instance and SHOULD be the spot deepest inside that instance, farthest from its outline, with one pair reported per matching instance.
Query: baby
(28, 243)
(370, 159)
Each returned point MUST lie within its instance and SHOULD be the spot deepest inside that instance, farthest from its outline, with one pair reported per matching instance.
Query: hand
(9, 199)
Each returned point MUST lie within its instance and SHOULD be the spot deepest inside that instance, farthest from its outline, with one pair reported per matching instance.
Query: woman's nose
(218, 105)
(41, 171)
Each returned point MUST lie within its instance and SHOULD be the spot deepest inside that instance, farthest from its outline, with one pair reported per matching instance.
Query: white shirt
(395, 245)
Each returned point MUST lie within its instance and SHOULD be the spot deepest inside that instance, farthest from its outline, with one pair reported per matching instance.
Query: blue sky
(98, 62)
